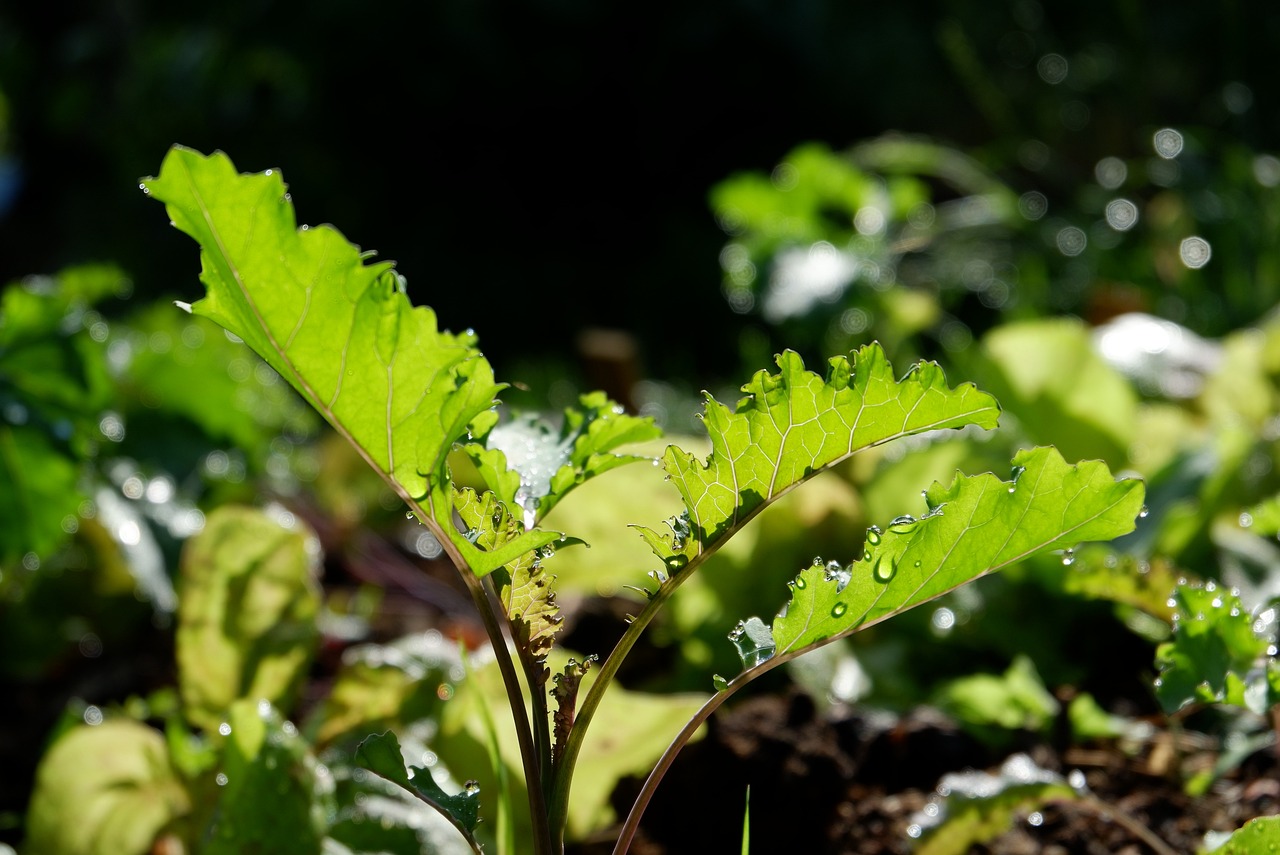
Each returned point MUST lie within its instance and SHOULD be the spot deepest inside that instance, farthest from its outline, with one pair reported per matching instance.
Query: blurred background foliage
(1074, 205)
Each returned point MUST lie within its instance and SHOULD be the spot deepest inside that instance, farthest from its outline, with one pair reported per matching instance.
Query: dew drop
(800, 583)
(884, 569)
(839, 609)
(917, 564)
(1142, 514)
(472, 788)
(1069, 557)
(817, 561)
(873, 536)
(720, 683)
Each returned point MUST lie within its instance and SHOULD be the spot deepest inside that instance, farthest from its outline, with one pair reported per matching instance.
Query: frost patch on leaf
(535, 452)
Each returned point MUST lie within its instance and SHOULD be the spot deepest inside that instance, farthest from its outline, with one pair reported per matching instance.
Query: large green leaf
(794, 424)
(976, 526)
(247, 616)
(341, 331)
(104, 790)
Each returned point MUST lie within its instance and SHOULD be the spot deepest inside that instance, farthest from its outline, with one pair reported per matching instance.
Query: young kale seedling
(407, 394)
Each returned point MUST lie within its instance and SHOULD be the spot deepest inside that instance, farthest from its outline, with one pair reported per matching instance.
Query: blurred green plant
(923, 246)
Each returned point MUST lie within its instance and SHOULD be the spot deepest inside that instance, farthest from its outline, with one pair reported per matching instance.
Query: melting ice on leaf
(976, 526)
(754, 641)
(527, 462)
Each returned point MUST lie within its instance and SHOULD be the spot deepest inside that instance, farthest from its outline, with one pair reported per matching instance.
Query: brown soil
(851, 782)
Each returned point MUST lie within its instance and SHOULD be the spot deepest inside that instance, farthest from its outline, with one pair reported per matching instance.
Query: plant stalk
(542, 841)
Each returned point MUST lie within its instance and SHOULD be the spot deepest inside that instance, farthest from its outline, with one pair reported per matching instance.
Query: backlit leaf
(794, 423)
(976, 526)
(341, 331)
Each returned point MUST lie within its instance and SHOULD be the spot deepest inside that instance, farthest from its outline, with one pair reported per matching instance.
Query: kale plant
(408, 396)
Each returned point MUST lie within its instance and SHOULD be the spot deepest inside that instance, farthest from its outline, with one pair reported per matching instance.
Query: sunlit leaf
(1260, 836)
(248, 600)
(341, 331)
(1087, 412)
(976, 526)
(793, 424)
(990, 706)
(104, 790)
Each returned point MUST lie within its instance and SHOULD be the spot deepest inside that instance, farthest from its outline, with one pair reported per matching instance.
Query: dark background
(541, 167)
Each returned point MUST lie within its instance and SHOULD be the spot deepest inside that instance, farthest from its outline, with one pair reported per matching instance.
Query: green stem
(542, 842)
(563, 780)
(713, 703)
(559, 798)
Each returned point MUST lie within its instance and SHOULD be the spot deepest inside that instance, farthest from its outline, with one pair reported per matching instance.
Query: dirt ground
(852, 783)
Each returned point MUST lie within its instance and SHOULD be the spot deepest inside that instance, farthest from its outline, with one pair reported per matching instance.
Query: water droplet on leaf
(839, 609)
